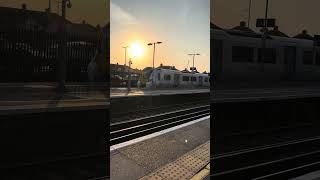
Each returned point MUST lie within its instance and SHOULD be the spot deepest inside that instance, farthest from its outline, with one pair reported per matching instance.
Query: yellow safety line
(202, 174)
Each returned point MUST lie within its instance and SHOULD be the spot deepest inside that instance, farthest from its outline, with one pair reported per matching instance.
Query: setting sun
(136, 49)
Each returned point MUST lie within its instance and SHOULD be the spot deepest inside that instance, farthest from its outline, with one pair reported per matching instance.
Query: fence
(32, 56)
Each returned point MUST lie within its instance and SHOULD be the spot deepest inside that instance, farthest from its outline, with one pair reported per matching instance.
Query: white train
(169, 78)
(236, 56)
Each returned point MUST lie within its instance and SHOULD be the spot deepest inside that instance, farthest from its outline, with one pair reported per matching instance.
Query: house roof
(304, 35)
(276, 32)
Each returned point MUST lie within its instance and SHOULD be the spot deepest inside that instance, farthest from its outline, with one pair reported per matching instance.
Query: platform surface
(260, 94)
(123, 92)
(38, 97)
(140, 159)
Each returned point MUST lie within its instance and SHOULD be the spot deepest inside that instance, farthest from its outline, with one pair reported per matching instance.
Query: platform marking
(149, 136)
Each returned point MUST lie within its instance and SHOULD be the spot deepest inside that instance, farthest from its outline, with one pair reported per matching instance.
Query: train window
(158, 76)
(167, 77)
(185, 78)
(270, 55)
(193, 78)
(242, 54)
(206, 79)
(308, 57)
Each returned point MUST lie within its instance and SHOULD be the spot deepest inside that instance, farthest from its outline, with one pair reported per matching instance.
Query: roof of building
(304, 35)
(276, 32)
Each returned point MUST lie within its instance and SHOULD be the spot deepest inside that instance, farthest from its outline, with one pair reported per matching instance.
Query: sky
(292, 15)
(92, 11)
(182, 25)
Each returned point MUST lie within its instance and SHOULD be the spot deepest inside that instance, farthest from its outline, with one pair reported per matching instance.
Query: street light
(129, 75)
(193, 55)
(125, 54)
(62, 60)
(154, 51)
(249, 16)
(264, 37)
(197, 54)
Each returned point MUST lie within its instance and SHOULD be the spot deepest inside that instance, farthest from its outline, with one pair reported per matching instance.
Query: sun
(136, 49)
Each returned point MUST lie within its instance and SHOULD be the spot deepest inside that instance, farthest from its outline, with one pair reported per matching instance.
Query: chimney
(243, 24)
(304, 32)
(24, 6)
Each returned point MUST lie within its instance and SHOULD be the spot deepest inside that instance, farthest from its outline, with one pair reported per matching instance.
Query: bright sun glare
(136, 49)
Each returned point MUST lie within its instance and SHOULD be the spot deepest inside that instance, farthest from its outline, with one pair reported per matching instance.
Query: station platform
(311, 176)
(264, 94)
(40, 97)
(155, 154)
(123, 92)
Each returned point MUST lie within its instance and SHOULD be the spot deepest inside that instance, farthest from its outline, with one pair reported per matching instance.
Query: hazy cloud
(120, 16)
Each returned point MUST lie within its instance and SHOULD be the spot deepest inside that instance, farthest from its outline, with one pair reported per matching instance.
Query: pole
(264, 38)
(154, 51)
(62, 58)
(266, 13)
(64, 8)
(125, 55)
(129, 78)
(249, 16)
(49, 7)
(193, 64)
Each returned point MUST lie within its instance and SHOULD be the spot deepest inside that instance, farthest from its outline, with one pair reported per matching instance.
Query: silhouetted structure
(243, 27)
(304, 35)
(119, 75)
(29, 46)
(213, 26)
(276, 32)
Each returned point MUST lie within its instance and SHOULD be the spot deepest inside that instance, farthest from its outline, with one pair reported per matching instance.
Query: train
(236, 56)
(173, 78)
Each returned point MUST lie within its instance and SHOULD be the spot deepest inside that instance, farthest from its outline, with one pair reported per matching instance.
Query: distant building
(40, 21)
(119, 75)
(243, 27)
(276, 32)
(304, 35)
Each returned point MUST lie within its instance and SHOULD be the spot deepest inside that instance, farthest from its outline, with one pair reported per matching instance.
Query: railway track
(150, 111)
(130, 129)
(276, 161)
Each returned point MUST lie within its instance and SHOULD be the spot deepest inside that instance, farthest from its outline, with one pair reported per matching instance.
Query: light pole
(197, 54)
(62, 60)
(193, 55)
(249, 16)
(264, 37)
(154, 51)
(125, 54)
(129, 76)
(49, 8)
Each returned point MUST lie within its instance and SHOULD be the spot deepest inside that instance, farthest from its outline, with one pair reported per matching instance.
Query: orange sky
(92, 11)
(182, 26)
(292, 15)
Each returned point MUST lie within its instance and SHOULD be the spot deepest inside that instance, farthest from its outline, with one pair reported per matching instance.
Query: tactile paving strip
(192, 163)
(185, 167)
(202, 153)
(174, 171)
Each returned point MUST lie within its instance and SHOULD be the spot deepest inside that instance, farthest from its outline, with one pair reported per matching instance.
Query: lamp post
(154, 51)
(249, 16)
(193, 55)
(125, 54)
(129, 76)
(62, 60)
(264, 36)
